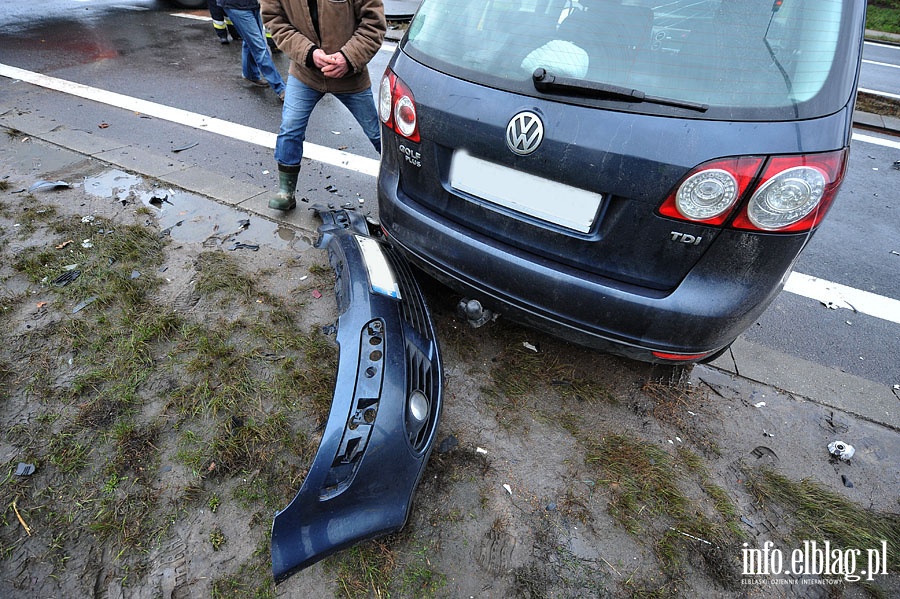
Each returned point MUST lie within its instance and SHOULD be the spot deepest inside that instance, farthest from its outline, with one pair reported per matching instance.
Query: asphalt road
(138, 49)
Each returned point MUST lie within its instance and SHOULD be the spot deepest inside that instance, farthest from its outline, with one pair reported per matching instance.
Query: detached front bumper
(386, 406)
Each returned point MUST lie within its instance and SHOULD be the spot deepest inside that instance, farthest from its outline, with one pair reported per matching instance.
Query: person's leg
(299, 102)
(256, 50)
(244, 22)
(218, 18)
(362, 106)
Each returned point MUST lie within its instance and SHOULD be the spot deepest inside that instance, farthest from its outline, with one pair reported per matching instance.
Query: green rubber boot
(287, 183)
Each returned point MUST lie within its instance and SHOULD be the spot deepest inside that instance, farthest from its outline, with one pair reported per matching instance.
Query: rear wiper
(544, 81)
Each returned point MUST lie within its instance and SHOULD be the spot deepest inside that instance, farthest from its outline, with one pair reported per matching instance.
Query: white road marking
(185, 15)
(835, 295)
(875, 92)
(882, 64)
(878, 141)
(827, 292)
(257, 137)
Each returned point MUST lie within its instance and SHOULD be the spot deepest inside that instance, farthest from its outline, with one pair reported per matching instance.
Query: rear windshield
(743, 58)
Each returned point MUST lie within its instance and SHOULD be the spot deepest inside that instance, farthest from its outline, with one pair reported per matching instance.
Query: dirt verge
(169, 396)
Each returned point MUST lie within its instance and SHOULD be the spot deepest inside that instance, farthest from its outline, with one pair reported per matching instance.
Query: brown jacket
(354, 27)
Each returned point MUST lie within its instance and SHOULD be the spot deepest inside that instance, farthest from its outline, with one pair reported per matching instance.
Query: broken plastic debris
(65, 243)
(508, 488)
(87, 244)
(84, 304)
(448, 444)
(317, 294)
(158, 200)
(527, 345)
(66, 278)
(246, 246)
(841, 450)
(847, 482)
(135, 275)
(24, 469)
(87, 219)
(760, 404)
(44, 184)
(480, 450)
(747, 521)
(187, 147)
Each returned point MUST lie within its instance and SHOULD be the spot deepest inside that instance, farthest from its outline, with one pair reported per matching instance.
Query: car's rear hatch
(588, 196)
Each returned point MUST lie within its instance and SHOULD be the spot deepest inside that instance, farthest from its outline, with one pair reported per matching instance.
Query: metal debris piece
(66, 278)
(841, 450)
(44, 184)
(24, 469)
(747, 521)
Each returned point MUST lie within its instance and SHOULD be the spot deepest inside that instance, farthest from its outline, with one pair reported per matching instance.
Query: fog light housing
(417, 410)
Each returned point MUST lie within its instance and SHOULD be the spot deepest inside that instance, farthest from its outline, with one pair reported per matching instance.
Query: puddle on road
(192, 218)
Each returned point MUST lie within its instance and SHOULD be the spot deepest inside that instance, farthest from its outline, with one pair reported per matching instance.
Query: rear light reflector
(710, 192)
(794, 193)
(788, 194)
(679, 357)
(397, 106)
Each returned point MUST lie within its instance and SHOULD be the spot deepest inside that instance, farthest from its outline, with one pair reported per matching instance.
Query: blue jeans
(255, 57)
(299, 102)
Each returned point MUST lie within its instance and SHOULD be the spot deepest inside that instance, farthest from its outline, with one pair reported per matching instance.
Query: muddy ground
(169, 395)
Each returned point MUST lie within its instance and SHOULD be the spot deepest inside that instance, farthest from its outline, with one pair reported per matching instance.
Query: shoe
(232, 30)
(258, 82)
(281, 96)
(287, 183)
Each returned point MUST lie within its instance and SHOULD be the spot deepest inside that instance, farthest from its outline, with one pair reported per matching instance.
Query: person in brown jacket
(329, 43)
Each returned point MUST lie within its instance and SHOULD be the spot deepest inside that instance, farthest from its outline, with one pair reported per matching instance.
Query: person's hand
(320, 59)
(336, 65)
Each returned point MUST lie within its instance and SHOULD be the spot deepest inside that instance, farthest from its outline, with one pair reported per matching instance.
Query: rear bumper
(370, 460)
(730, 286)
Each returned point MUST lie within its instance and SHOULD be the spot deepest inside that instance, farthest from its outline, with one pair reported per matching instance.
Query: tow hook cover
(385, 410)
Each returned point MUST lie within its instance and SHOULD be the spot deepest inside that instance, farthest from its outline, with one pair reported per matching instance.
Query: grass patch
(519, 374)
(821, 514)
(365, 570)
(252, 580)
(646, 498)
(883, 15)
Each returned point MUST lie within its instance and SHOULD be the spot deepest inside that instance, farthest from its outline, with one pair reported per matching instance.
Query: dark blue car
(633, 176)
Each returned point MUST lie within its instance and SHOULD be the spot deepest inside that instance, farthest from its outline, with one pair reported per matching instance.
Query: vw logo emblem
(524, 133)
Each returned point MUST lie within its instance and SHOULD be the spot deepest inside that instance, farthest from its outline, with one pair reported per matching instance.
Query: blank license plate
(553, 202)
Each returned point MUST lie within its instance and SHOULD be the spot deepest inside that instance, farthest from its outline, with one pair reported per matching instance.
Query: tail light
(397, 107)
(786, 194)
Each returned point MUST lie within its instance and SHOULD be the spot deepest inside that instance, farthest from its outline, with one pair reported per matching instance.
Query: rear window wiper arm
(544, 81)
